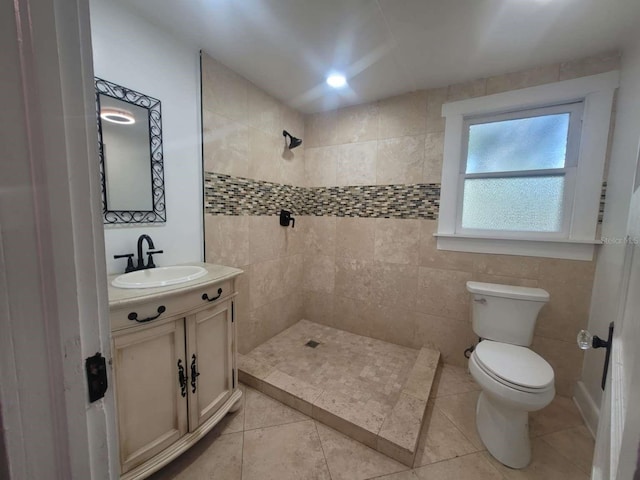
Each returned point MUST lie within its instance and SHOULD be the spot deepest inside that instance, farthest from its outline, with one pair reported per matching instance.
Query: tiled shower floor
(374, 391)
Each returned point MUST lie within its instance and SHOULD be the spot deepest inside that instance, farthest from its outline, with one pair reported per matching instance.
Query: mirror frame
(158, 214)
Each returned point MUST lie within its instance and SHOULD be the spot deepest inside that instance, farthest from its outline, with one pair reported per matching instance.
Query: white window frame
(584, 173)
(575, 109)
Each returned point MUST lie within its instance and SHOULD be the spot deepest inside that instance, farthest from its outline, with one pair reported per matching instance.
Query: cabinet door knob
(206, 297)
(194, 373)
(182, 379)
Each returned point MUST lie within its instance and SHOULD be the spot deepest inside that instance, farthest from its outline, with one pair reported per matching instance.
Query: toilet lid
(514, 364)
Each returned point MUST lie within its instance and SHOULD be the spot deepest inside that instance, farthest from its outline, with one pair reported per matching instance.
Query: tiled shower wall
(384, 277)
(242, 137)
(344, 264)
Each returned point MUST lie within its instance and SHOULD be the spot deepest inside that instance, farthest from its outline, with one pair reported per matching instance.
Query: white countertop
(120, 297)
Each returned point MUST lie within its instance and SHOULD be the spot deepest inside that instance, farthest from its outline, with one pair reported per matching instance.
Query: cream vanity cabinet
(174, 372)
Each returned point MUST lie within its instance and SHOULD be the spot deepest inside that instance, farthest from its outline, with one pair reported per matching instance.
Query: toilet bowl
(514, 382)
(514, 379)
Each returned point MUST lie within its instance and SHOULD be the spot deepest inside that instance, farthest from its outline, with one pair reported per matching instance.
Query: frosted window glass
(522, 144)
(531, 204)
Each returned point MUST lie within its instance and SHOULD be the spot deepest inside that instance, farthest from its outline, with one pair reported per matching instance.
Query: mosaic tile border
(228, 195)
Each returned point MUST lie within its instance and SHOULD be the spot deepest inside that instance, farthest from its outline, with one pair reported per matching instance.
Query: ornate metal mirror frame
(158, 214)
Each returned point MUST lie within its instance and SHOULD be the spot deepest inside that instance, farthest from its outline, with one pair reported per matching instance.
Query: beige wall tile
(526, 78)
(319, 273)
(226, 145)
(267, 239)
(564, 357)
(320, 166)
(397, 241)
(394, 325)
(356, 163)
(292, 122)
(227, 240)
(291, 275)
(400, 160)
(450, 337)
(462, 91)
(319, 308)
(320, 235)
(355, 238)
(443, 293)
(321, 129)
(264, 111)
(275, 279)
(504, 280)
(590, 66)
(509, 265)
(358, 123)
(266, 282)
(430, 256)
(402, 115)
(433, 157)
(356, 279)
(435, 98)
(397, 285)
(224, 91)
(275, 316)
(569, 284)
(245, 329)
(353, 315)
(568, 310)
(264, 150)
(291, 165)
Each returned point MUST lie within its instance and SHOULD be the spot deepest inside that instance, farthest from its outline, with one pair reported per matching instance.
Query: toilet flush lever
(587, 341)
(483, 301)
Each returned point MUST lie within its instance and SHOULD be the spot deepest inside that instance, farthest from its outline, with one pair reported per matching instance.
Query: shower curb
(397, 436)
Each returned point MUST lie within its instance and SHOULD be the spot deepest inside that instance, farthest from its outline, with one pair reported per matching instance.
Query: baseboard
(588, 409)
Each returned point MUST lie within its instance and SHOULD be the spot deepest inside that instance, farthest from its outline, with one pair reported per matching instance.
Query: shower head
(293, 141)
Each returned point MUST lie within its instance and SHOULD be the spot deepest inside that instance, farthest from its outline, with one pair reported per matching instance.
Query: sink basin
(159, 277)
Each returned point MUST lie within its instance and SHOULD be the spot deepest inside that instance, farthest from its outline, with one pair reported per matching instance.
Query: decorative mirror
(130, 148)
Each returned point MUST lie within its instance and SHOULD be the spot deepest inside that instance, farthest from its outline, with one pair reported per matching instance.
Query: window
(522, 170)
(518, 171)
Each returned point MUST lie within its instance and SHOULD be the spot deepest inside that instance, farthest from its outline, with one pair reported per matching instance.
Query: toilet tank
(505, 313)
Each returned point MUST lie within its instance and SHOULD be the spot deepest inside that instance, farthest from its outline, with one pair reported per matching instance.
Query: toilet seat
(514, 366)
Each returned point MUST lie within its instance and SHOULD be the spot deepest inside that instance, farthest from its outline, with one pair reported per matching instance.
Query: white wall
(605, 298)
(132, 52)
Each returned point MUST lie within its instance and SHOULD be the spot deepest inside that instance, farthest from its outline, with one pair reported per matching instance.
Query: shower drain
(312, 344)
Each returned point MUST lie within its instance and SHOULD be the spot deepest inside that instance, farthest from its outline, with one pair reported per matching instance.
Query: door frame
(53, 283)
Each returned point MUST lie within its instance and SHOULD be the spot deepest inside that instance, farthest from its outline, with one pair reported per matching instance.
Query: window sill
(551, 248)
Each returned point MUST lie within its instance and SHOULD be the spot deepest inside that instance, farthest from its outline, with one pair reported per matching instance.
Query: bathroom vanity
(174, 366)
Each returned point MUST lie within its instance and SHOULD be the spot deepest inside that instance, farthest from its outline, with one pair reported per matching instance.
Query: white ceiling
(387, 47)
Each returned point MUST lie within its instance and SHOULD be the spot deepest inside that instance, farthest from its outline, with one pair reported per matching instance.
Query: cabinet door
(209, 347)
(152, 412)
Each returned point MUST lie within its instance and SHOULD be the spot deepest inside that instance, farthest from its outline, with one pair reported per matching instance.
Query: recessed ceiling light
(115, 115)
(336, 80)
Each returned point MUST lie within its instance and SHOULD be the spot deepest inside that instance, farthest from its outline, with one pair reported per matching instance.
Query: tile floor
(267, 440)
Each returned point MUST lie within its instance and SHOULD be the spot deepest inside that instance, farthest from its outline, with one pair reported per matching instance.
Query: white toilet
(514, 379)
